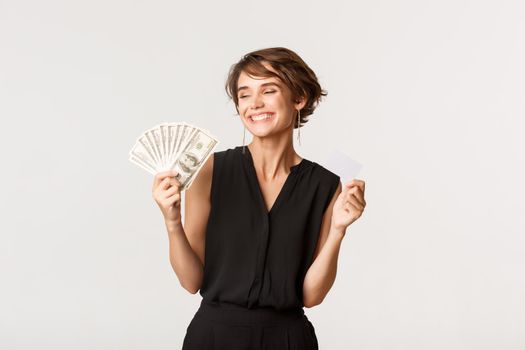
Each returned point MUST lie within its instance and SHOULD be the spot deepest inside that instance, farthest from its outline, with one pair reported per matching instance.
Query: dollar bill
(192, 157)
(143, 165)
(173, 145)
(142, 153)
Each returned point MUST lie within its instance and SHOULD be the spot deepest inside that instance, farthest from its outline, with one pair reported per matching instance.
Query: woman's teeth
(261, 117)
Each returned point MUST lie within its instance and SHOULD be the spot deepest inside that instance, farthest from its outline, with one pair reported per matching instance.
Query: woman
(263, 226)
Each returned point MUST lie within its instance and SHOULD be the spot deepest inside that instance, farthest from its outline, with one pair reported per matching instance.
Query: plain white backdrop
(428, 95)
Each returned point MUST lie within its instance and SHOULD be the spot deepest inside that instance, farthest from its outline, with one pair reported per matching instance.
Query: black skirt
(221, 326)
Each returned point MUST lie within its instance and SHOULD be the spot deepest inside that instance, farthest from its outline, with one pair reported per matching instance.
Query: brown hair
(290, 69)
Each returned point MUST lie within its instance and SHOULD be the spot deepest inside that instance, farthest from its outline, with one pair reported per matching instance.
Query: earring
(243, 139)
(299, 126)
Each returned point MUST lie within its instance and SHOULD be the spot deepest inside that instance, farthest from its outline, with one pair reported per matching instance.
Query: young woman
(263, 226)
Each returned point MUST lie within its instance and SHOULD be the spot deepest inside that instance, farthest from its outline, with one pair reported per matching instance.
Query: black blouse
(255, 257)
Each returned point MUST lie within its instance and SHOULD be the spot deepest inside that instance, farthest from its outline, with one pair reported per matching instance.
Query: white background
(428, 95)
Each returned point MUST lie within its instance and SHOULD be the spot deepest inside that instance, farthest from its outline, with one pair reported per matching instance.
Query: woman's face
(265, 105)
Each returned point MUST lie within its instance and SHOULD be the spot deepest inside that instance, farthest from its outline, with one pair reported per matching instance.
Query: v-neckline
(284, 187)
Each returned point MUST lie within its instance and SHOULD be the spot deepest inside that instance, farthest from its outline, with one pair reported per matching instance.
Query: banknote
(193, 156)
(176, 146)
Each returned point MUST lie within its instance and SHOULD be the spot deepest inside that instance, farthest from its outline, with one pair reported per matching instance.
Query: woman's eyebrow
(265, 84)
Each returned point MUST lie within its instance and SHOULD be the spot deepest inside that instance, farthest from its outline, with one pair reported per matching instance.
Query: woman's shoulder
(227, 153)
(225, 160)
(328, 182)
(322, 172)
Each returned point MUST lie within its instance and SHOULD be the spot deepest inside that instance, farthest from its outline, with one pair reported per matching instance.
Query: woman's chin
(264, 133)
(268, 130)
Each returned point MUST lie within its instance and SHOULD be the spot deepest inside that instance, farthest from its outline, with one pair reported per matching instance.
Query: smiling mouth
(261, 117)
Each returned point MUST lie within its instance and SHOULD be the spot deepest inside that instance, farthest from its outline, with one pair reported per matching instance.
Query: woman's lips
(261, 117)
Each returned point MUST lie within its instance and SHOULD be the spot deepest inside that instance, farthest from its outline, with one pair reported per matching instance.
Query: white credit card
(341, 164)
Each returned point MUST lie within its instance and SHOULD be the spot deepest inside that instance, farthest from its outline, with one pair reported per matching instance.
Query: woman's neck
(273, 157)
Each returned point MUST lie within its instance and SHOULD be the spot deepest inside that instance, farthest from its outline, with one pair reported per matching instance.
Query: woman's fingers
(171, 191)
(174, 198)
(174, 182)
(356, 193)
(166, 183)
(353, 200)
(358, 183)
(169, 182)
(166, 192)
(159, 177)
(167, 188)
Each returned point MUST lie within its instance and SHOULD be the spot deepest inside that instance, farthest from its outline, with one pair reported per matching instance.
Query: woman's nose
(257, 101)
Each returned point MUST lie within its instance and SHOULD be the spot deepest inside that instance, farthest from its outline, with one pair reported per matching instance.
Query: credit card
(342, 164)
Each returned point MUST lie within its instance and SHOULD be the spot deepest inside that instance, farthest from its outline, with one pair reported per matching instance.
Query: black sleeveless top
(255, 258)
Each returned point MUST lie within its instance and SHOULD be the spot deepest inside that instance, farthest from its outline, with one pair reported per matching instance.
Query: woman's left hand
(349, 205)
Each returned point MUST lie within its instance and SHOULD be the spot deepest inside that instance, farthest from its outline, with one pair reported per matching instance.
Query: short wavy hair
(290, 69)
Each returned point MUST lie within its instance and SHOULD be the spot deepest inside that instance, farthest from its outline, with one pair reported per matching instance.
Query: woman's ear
(300, 103)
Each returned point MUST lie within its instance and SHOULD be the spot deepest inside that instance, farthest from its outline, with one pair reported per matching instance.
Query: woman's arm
(321, 275)
(186, 244)
(346, 206)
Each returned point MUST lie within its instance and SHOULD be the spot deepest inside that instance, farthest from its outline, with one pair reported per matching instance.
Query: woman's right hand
(166, 192)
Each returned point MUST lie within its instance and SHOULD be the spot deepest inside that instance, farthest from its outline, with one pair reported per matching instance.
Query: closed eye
(267, 92)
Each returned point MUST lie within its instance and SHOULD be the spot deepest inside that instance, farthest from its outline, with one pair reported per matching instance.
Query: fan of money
(174, 146)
